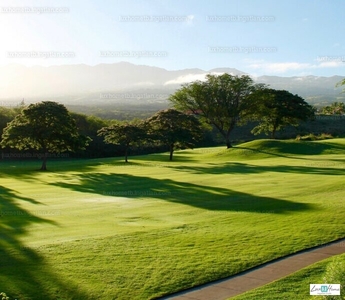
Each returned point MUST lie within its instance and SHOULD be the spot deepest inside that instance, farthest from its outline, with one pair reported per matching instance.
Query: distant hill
(315, 89)
(124, 82)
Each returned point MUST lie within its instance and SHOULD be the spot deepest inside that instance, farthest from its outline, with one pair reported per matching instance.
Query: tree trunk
(171, 151)
(126, 154)
(226, 134)
(44, 162)
(274, 129)
(273, 134)
(228, 142)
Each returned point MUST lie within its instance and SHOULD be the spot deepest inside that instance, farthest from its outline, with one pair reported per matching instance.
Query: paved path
(258, 276)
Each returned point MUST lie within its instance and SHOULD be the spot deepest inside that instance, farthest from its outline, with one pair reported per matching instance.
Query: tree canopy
(46, 126)
(125, 134)
(276, 109)
(174, 129)
(220, 100)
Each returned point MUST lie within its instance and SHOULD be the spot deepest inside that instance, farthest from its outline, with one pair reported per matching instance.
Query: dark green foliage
(174, 129)
(46, 126)
(276, 109)
(125, 134)
(89, 125)
(6, 116)
(220, 100)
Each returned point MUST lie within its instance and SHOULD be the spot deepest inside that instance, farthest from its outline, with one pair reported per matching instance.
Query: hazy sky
(285, 37)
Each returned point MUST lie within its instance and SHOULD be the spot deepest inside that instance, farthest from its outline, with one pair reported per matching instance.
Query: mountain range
(129, 83)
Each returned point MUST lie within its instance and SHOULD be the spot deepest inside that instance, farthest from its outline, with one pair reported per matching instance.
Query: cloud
(294, 66)
(186, 79)
(190, 77)
(278, 67)
(332, 64)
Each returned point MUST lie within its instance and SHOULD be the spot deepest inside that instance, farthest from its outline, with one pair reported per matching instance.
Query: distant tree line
(336, 108)
(202, 111)
(226, 101)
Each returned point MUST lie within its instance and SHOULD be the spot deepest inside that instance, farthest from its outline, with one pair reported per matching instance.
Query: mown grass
(297, 285)
(104, 229)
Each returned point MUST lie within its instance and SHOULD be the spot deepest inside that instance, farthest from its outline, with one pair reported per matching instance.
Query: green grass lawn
(295, 286)
(103, 229)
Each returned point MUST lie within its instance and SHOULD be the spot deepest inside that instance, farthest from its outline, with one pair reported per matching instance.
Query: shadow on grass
(180, 156)
(28, 169)
(311, 167)
(200, 196)
(24, 272)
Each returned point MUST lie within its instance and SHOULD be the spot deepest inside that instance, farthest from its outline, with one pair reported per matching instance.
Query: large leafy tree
(220, 100)
(47, 127)
(276, 109)
(174, 129)
(124, 134)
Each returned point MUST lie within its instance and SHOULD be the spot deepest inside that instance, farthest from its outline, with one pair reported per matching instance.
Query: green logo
(324, 288)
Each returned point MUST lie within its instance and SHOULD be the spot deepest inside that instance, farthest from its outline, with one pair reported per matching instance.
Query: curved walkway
(260, 275)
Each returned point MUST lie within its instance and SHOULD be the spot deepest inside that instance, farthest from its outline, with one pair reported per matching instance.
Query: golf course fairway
(105, 229)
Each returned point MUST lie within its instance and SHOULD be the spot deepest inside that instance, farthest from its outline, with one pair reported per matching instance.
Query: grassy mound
(266, 148)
